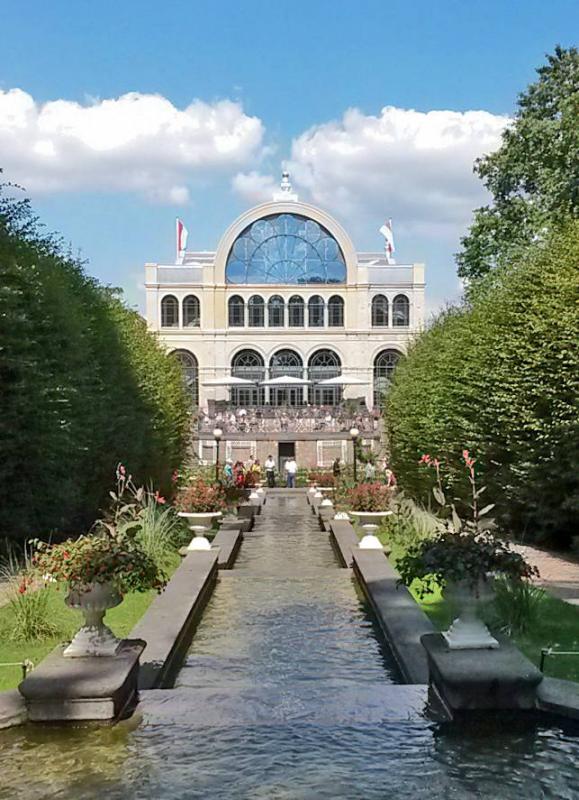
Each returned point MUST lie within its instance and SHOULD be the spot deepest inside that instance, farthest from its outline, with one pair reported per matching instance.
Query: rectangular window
(329, 451)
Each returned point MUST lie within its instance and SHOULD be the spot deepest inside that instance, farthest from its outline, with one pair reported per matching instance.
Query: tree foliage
(499, 375)
(534, 176)
(83, 385)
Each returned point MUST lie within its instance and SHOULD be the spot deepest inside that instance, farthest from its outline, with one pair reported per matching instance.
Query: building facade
(286, 334)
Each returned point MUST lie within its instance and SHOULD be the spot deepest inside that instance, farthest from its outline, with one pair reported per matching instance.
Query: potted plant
(99, 569)
(200, 503)
(462, 558)
(102, 566)
(369, 504)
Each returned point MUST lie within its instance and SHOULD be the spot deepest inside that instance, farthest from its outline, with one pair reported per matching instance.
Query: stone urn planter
(468, 631)
(200, 522)
(94, 638)
(370, 522)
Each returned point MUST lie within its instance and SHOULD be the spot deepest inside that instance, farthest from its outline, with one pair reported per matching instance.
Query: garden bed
(121, 620)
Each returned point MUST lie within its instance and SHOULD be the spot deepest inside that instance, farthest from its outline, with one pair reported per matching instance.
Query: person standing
(336, 470)
(291, 469)
(370, 472)
(228, 472)
(270, 471)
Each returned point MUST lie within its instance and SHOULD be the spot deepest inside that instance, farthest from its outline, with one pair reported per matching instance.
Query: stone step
(326, 703)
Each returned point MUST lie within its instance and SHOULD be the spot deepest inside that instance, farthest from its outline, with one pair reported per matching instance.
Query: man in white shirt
(291, 469)
(270, 471)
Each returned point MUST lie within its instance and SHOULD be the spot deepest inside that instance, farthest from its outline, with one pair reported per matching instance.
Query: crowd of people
(251, 473)
(303, 419)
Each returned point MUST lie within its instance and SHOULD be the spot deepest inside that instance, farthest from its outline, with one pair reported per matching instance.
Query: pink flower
(425, 459)
(175, 477)
(159, 499)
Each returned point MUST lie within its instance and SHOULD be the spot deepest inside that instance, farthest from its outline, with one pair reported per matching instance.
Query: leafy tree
(534, 176)
(499, 376)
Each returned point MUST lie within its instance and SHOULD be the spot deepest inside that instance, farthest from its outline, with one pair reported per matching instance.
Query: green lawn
(557, 627)
(121, 620)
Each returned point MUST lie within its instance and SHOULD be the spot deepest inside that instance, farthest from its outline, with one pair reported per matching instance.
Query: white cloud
(137, 143)
(415, 167)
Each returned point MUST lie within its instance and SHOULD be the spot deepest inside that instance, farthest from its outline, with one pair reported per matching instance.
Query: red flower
(159, 499)
(425, 459)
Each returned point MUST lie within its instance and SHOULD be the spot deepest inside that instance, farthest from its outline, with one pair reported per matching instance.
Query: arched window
(384, 364)
(276, 312)
(190, 367)
(316, 312)
(169, 312)
(286, 364)
(335, 312)
(324, 364)
(287, 249)
(248, 364)
(256, 311)
(191, 312)
(236, 311)
(400, 311)
(379, 311)
(296, 312)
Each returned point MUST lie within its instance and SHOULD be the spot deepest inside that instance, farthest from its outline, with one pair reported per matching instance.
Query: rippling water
(287, 693)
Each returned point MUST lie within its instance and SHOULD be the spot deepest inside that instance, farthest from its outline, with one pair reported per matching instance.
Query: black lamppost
(354, 433)
(217, 434)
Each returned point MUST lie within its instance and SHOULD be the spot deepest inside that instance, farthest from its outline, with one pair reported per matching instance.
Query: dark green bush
(500, 376)
(83, 385)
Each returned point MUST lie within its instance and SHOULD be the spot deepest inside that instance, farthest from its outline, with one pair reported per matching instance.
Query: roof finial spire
(285, 193)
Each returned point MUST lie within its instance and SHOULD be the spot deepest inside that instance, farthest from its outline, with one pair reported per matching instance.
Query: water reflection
(287, 694)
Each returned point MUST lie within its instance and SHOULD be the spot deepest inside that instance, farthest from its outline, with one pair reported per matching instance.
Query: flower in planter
(200, 497)
(103, 558)
(321, 477)
(372, 497)
(464, 549)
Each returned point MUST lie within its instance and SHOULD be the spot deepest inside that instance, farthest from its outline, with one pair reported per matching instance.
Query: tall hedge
(500, 376)
(83, 385)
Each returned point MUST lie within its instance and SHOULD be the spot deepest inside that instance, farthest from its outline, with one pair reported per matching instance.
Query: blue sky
(291, 71)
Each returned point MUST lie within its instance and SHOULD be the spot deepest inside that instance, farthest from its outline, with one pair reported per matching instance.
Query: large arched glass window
(285, 248)
(250, 365)
(336, 312)
(384, 364)
(400, 311)
(190, 367)
(324, 364)
(256, 311)
(236, 312)
(169, 312)
(191, 312)
(276, 312)
(283, 364)
(296, 313)
(379, 311)
(316, 312)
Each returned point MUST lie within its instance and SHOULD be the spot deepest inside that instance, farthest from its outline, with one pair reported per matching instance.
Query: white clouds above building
(414, 166)
(137, 143)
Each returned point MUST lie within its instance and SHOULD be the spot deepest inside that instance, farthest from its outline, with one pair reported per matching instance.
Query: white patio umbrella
(286, 380)
(343, 380)
(231, 380)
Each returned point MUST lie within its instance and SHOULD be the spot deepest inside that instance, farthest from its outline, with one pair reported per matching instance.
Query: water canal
(289, 692)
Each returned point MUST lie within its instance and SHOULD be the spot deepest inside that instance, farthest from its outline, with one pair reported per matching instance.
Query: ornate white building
(287, 308)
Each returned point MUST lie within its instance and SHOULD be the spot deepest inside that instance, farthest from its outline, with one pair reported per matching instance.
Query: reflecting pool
(289, 692)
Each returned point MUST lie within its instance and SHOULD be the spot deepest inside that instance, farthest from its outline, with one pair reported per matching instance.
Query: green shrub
(500, 376)
(84, 386)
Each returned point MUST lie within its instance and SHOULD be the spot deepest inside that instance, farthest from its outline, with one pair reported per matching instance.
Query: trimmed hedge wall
(500, 376)
(83, 385)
